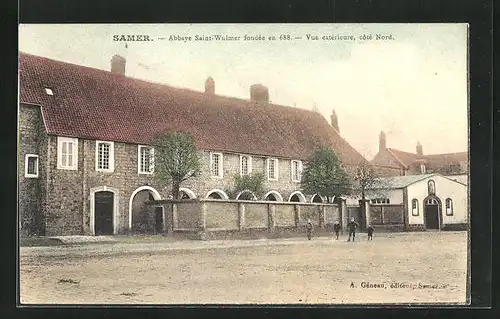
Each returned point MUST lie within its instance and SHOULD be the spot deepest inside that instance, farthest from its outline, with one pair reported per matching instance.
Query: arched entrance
(316, 199)
(297, 197)
(273, 196)
(217, 194)
(433, 218)
(246, 195)
(186, 193)
(144, 218)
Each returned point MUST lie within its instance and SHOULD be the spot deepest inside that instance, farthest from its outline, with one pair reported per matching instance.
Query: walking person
(370, 232)
(309, 229)
(352, 226)
(336, 228)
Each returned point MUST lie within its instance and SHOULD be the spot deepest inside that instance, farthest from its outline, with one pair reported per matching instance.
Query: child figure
(309, 229)
(352, 225)
(370, 232)
(336, 228)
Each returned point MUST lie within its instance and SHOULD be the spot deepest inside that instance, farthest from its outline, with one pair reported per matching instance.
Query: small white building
(427, 201)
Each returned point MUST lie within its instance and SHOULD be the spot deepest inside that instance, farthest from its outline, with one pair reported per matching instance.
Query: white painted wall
(395, 196)
(464, 179)
(445, 188)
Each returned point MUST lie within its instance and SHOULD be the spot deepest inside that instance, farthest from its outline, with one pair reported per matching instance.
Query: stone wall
(31, 191)
(222, 215)
(62, 198)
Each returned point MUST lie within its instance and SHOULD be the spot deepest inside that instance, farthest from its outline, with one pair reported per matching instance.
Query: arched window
(414, 207)
(431, 187)
(449, 207)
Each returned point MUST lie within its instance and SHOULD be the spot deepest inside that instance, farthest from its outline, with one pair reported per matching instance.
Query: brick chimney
(259, 92)
(334, 121)
(118, 64)
(420, 151)
(210, 86)
(382, 145)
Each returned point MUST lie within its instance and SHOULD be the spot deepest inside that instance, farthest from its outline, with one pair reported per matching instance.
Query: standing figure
(370, 232)
(352, 225)
(336, 228)
(309, 229)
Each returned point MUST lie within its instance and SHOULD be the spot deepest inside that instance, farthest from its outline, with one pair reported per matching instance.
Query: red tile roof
(96, 104)
(435, 160)
(405, 158)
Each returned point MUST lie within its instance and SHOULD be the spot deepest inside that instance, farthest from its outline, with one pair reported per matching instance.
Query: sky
(413, 84)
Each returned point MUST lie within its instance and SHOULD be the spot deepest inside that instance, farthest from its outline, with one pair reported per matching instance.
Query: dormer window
(49, 91)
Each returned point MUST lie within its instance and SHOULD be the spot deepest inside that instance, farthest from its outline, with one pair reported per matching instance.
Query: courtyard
(420, 267)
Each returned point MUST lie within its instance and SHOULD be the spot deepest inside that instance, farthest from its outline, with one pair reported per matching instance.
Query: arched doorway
(186, 193)
(103, 212)
(297, 197)
(246, 195)
(145, 218)
(273, 196)
(316, 199)
(217, 194)
(433, 218)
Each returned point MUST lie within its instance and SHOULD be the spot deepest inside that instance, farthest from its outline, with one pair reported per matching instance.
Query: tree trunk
(175, 189)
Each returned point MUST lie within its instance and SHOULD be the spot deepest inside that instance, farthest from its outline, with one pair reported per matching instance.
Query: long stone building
(85, 145)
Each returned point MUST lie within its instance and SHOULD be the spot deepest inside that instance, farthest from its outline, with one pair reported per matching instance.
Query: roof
(398, 181)
(404, 158)
(404, 181)
(435, 160)
(96, 104)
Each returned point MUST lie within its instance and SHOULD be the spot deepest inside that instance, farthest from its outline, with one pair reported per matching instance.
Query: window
(145, 159)
(67, 153)
(245, 165)
(272, 169)
(105, 156)
(216, 164)
(431, 201)
(431, 185)
(414, 207)
(49, 91)
(296, 171)
(380, 201)
(31, 166)
(449, 207)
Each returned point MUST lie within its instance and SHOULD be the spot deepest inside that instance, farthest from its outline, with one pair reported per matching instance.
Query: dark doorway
(295, 198)
(103, 213)
(317, 199)
(214, 195)
(431, 212)
(271, 198)
(158, 220)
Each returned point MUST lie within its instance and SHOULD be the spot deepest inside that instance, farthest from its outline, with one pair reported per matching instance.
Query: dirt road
(394, 268)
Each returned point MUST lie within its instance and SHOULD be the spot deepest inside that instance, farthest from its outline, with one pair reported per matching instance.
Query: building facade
(422, 202)
(393, 162)
(85, 154)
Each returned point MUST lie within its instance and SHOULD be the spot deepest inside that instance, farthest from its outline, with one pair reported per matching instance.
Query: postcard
(243, 164)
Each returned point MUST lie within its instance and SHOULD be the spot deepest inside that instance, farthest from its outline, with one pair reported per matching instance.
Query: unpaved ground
(274, 271)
